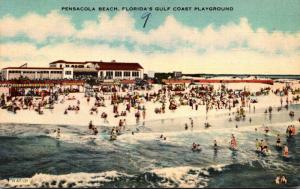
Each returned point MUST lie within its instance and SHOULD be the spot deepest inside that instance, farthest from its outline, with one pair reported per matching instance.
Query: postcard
(148, 93)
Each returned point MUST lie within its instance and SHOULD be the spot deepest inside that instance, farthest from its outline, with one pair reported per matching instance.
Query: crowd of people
(165, 99)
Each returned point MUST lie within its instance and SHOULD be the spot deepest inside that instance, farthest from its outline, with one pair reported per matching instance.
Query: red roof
(176, 81)
(119, 66)
(31, 68)
(107, 65)
(265, 81)
(67, 62)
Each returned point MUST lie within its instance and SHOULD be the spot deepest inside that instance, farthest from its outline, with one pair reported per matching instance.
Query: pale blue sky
(269, 14)
(262, 33)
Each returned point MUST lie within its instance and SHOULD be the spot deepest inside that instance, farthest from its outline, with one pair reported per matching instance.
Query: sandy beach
(83, 116)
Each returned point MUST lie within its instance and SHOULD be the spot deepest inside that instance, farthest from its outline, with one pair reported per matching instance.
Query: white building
(70, 70)
(104, 70)
(9, 73)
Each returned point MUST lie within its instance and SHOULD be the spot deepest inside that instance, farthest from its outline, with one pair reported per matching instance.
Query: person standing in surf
(285, 151)
(215, 144)
(257, 144)
(58, 133)
(278, 141)
(233, 143)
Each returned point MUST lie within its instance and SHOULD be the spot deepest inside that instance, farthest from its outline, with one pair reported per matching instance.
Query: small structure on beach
(22, 87)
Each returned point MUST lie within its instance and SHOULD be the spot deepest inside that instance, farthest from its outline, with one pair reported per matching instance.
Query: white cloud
(120, 27)
(258, 57)
(173, 34)
(187, 60)
(37, 27)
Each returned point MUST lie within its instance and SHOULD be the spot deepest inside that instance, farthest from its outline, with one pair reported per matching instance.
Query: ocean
(31, 156)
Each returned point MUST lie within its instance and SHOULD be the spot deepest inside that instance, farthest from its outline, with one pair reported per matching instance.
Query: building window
(14, 72)
(68, 72)
(126, 74)
(67, 66)
(135, 74)
(109, 73)
(60, 65)
(28, 72)
(56, 72)
(118, 74)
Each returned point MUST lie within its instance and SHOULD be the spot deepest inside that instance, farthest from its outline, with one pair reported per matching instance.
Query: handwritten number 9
(146, 17)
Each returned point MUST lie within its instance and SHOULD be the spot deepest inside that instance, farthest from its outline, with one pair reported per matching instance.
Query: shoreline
(82, 118)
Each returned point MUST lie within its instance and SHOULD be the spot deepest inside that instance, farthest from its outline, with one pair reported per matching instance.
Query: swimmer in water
(278, 141)
(91, 125)
(285, 151)
(265, 149)
(283, 180)
(215, 144)
(257, 144)
(233, 143)
(267, 129)
(186, 126)
(261, 145)
(192, 122)
(194, 146)
(277, 180)
(58, 133)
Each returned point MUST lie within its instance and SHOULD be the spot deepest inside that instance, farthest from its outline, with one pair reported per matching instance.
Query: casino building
(62, 69)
